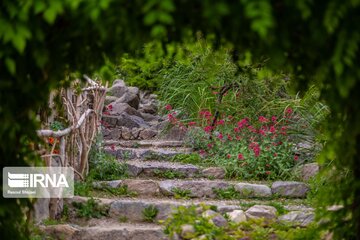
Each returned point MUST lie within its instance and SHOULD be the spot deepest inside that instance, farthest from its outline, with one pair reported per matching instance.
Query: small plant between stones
(181, 193)
(149, 213)
(90, 209)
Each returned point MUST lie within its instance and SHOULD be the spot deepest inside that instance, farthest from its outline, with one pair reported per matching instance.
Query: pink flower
(206, 114)
(110, 107)
(296, 157)
(268, 172)
(236, 129)
(202, 152)
(209, 145)
(273, 119)
(168, 107)
(275, 154)
(240, 156)
(215, 93)
(228, 156)
(112, 147)
(263, 119)
(252, 129)
(283, 130)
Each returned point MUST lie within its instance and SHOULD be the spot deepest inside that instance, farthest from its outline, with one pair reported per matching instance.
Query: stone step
(107, 230)
(209, 189)
(144, 143)
(149, 153)
(138, 210)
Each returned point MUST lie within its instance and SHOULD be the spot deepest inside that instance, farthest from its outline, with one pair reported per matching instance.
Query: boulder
(60, 231)
(108, 184)
(187, 231)
(174, 133)
(237, 216)
(298, 218)
(109, 99)
(290, 189)
(308, 171)
(147, 133)
(214, 172)
(134, 90)
(119, 107)
(125, 133)
(253, 190)
(148, 108)
(130, 98)
(118, 89)
(216, 218)
(130, 121)
(149, 117)
(261, 211)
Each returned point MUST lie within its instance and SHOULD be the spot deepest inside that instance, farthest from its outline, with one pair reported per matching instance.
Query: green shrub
(150, 213)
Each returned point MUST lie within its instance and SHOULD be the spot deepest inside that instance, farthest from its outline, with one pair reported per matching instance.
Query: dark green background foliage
(41, 41)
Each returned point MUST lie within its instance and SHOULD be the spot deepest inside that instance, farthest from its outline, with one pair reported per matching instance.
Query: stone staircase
(151, 190)
(155, 185)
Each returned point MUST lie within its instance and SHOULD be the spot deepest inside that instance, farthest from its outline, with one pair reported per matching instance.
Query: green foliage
(82, 188)
(181, 193)
(90, 209)
(149, 213)
(227, 193)
(87, 189)
(192, 158)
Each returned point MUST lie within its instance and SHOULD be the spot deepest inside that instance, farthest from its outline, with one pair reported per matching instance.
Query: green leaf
(19, 43)
(11, 65)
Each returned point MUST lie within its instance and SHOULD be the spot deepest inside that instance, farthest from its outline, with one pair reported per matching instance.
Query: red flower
(228, 156)
(296, 157)
(209, 145)
(267, 165)
(202, 152)
(238, 138)
(289, 110)
(106, 113)
(240, 156)
(283, 130)
(192, 123)
(220, 136)
(112, 147)
(275, 154)
(51, 140)
(272, 129)
(243, 123)
(268, 172)
(252, 129)
(56, 151)
(168, 107)
(236, 129)
(207, 129)
(220, 122)
(205, 114)
(263, 119)
(229, 137)
(110, 107)
(215, 93)
(273, 119)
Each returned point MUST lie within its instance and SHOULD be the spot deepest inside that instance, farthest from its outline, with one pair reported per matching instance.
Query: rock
(119, 82)
(298, 218)
(261, 211)
(109, 121)
(237, 216)
(118, 89)
(214, 217)
(214, 172)
(109, 99)
(148, 108)
(175, 133)
(197, 188)
(147, 134)
(134, 90)
(131, 121)
(60, 231)
(308, 171)
(115, 133)
(290, 189)
(109, 184)
(131, 99)
(119, 107)
(253, 190)
(126, 133)
(149, 117)
(142, 187)
(187, 231)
